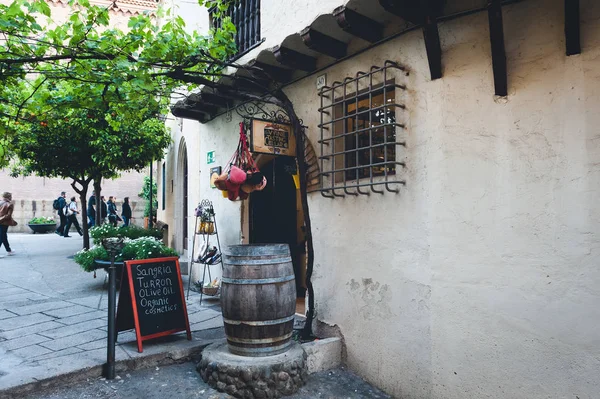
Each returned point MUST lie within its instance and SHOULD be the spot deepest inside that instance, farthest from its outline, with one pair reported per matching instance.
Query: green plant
(42, 220)
(86, 257)
(132, 232)
(145, 194)
(139, 248)
(146, 248)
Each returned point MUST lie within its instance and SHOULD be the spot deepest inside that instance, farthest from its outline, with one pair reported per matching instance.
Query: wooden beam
(323, 43)
(433, 47)
(250, 84)
(271, 71)
(497, 44)
(187, 113)
(358, 25)
(213, 99)
(572, 30)
(410, 10)
(294, 59)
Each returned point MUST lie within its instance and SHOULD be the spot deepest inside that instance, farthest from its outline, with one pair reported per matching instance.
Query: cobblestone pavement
(182, 381)
(53, 315)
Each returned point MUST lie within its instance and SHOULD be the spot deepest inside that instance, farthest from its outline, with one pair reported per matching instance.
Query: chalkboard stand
(130, 304)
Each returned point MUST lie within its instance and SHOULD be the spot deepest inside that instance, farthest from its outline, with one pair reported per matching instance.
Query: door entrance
(273, 214)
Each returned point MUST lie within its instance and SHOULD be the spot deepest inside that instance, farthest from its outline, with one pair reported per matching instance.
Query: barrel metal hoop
(250, 351)
(259, 323)
(247, 262)
(258, 280)
(259, 341)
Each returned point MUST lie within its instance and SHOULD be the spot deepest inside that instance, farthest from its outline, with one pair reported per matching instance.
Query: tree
(150, 198)
(83, 146)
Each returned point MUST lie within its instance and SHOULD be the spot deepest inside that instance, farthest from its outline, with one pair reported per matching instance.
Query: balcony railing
(245, 15)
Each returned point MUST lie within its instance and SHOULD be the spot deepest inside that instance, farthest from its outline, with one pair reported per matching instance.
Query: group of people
(68, 213)
(108, 209)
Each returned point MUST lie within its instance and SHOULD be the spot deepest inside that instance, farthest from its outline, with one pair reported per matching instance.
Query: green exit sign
(210, 157)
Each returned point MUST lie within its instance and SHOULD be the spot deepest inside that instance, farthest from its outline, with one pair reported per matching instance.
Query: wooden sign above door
(267, 137)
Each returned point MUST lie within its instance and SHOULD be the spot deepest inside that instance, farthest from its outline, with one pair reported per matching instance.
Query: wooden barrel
(258, 299)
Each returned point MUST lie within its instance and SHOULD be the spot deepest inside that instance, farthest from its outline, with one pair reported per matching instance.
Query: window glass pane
(369, 135)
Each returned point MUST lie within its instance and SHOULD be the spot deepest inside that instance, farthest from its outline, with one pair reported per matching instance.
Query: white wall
(480, 279)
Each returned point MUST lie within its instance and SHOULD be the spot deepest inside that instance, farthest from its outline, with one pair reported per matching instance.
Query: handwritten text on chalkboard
(152, 292)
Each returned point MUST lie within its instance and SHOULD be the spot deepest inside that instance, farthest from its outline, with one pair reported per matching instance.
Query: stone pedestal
(253, 377)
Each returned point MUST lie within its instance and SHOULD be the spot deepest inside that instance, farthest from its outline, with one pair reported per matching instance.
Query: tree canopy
(85, 66)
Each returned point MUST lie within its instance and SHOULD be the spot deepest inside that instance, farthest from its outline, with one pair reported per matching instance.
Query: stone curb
(140, 362)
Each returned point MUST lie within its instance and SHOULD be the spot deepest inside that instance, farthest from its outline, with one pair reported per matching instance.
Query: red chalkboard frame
(139, 337)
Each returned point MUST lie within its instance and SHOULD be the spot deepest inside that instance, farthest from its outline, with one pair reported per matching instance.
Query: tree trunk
(97, 193)
(82, 200)
(298, 131)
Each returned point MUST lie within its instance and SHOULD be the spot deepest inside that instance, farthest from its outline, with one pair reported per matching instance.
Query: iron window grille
(245, 15)
(359, 133)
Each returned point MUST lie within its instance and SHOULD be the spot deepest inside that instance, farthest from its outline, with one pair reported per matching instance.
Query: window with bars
(360, 134)
(245, 15)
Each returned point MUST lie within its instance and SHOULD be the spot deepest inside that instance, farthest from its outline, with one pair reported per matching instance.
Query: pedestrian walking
(103, 208)
(71, 211)
(59, 205)
(91, 211)
(6, 220)
(126, 212)
(112, 211)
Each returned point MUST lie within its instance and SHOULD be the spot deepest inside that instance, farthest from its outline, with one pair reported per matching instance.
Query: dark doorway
(273, 212)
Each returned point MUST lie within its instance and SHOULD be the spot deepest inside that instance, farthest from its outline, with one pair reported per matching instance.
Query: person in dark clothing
(6, 220)
(112, 211)
(91, 211)
(62, 202)
(126, 212)
(71, 211)
(103, 208)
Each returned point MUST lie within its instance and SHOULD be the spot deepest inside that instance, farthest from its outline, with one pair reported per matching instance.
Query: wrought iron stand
(206, 204)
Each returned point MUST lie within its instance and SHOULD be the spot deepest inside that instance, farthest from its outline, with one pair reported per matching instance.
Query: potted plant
(42, 224)
(139, 244)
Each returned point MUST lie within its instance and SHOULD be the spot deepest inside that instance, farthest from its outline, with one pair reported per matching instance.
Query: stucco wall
(480, 278)
(218, 136)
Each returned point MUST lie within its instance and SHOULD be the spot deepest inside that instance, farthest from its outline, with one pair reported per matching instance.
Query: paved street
(53, 315)
(182, 381)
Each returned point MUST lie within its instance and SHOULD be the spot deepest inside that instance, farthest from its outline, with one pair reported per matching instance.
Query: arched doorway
(181, 231)
(273, 213)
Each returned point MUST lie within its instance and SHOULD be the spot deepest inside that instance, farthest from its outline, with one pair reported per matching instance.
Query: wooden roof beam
(274, 72)
(216, 100)
(358, 25)
(410, 10)
(433, 47)
(323, 43)
(187, 113)
(572, 30)
(294, 59)
(497, 45)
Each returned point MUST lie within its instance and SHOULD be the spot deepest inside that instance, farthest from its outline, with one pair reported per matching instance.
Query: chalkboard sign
(151, 299)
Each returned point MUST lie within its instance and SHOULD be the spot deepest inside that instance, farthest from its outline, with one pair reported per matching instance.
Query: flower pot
(105, 264)
(42, 228)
